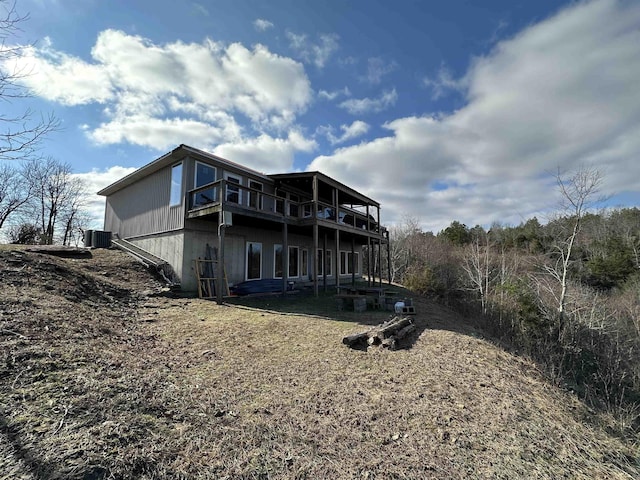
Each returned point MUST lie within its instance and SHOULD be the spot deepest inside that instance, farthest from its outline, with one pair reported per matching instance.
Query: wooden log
(389, 343)
(393, 327)
(355, 339)
(405, 331)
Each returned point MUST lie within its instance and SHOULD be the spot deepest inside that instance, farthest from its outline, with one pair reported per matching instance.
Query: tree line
(565, 293)
(41, 202)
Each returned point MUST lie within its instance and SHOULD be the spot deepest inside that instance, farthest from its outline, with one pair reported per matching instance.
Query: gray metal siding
(143, 207)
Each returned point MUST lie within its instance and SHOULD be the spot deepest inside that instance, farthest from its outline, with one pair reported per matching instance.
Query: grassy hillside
(101, 378)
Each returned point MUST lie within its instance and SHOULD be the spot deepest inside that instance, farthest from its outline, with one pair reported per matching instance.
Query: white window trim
(195, 173)
(297, 275)
(304, 265)
(246, 262)
(239, 177)
(347, 263)
(180, 195)
(275, 245)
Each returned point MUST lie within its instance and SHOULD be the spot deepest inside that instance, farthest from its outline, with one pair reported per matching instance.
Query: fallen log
(385, 334)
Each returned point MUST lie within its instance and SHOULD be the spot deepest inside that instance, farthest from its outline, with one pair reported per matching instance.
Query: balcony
(224, 195)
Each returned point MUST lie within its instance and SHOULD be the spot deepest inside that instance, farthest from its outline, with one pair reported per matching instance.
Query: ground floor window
(327, 263)
(304, 263)
(254, 261)
(349, 262)
(277, 261)
(294, 257)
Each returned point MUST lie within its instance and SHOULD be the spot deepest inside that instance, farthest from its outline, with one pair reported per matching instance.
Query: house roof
(348, 194)
(169, 158)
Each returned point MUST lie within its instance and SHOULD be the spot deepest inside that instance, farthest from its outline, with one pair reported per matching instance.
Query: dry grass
(100, 381)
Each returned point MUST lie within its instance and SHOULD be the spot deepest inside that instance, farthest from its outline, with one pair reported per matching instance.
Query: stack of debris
(386, 335)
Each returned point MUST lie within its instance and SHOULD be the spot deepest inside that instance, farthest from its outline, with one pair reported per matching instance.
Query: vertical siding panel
(143, 207)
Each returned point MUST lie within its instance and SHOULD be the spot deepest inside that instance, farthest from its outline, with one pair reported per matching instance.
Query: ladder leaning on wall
(206, 269)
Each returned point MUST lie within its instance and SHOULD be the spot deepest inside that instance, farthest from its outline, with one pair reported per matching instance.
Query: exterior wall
(168, 246)
(200, 233)
(143, 207)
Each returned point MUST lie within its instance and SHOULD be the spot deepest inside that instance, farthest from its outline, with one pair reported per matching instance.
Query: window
(353, 262)
(204, 175)
(319, 263)
(346, 265)
(176, 185)
(293, 261)
(277, 261)
(233, 195)
(327, 263)
(254, 261)
(304, 263)
(255, 198)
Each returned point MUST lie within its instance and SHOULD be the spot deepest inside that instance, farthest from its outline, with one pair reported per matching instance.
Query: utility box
(100, 239)
(88, 238)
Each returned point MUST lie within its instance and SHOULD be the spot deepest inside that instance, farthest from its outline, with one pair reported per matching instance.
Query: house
(302, 227)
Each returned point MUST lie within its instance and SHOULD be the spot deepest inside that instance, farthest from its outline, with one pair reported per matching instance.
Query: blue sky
(443, 111)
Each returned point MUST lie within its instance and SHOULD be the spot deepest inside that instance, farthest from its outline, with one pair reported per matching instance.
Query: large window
(294, 257)
(204, 175)
(176, 185)
(349, 262)
(277, 261)
(304, 263)
(327, 263)
(254, 261)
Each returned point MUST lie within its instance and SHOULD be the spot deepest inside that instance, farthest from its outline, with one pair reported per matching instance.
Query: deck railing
(229, 193)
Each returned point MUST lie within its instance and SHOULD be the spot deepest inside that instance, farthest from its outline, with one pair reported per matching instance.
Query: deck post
(388, 258)
(285, 256)
(337, 260)
(324, 261)
(353, 261)
(220, 269)
(368, 261)
(314, 185)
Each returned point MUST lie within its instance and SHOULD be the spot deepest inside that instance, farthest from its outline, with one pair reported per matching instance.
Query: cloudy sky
(439, 110)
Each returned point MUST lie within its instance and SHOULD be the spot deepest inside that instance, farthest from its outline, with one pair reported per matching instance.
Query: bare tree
(57, 198)
(14, 191)
(22, 134)
(477, 265)
(579, 192)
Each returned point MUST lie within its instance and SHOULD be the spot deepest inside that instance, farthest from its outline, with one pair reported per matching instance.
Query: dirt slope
(99, 378)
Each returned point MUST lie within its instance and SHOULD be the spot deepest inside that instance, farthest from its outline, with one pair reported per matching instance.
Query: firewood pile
(386, 335)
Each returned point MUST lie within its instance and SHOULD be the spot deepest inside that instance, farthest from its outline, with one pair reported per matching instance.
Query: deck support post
(337, 259)
(353, 261)
(388, 258)
(324, 262)
(285, 257)
(220, 265)
(314, 187)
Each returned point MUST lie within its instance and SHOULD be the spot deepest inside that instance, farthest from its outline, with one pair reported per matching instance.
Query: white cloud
(334, 94)
(265, 153)
(349, 132)
(159, 95)
(443, 83)
(359, 106)
(315, 53)
(377, 68)
(562, 93)
(201, 9)
(96, 180)
(262, 25)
